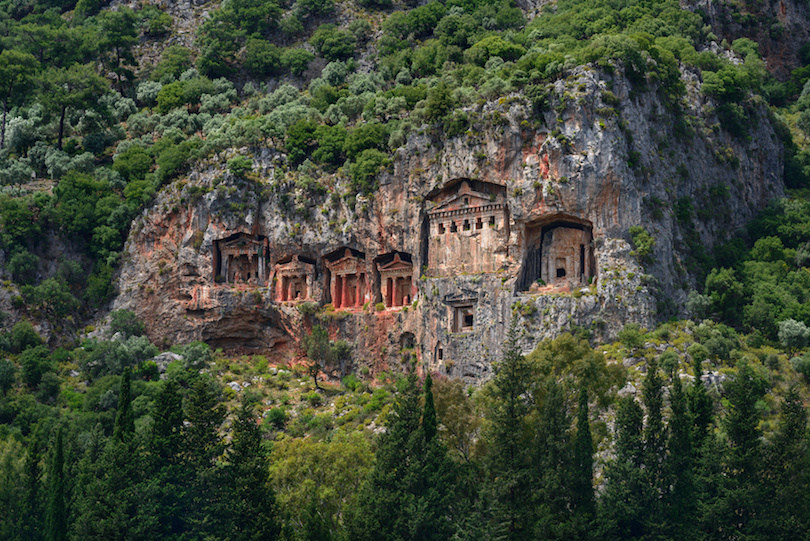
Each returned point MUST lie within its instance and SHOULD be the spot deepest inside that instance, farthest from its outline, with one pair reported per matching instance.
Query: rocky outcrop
(604, 157)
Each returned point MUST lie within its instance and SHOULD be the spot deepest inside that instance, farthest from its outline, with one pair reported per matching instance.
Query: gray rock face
(605, 158)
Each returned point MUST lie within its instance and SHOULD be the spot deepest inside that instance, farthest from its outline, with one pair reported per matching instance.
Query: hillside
(371, 269)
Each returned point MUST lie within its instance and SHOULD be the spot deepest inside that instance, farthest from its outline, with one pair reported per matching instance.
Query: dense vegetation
(98, 441)
(138, 451)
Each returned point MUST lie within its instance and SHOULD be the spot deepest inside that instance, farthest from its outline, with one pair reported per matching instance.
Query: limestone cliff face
(530, 211)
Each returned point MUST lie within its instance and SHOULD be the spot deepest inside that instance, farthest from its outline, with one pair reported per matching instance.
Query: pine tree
(509, 459)
(32, 510)
(410, 490)
(56, 511)
(654, 440)
(737, 509)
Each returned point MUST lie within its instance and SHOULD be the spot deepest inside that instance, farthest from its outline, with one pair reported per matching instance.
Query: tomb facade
(461, 311)
(559, 252)
(396, 279)
(294, 279)
(348, 284)
(241, 259)
(468, 228)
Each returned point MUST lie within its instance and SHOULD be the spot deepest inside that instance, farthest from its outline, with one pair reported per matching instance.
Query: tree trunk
(61, 128)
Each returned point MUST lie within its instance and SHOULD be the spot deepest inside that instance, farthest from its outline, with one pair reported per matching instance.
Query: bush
(333, 44)
(127, 323)
(314, 398)
(296, 61)
(643, 244)
(364, 171)
(110, 358)
(240, 166)
(277, 418)
(7, 375)
(262, 58)
(23, 267)
(631, 336)
(801, 365)
(23, 336)
(35, 362)
(793, 335)
(48, 388)
(197, 355)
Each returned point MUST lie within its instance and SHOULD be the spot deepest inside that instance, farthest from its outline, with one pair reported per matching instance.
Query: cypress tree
(680, 504)
(32, 511)
(554, 467)
(787, 477)
(124, 421)
(251, 509)
(429, 422)
(56, 511)
(584, 504)
(509, 459)
(623, 513)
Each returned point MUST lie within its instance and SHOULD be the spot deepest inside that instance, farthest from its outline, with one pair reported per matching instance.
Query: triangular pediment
(396, 265)
(465, 296)
(474, 199)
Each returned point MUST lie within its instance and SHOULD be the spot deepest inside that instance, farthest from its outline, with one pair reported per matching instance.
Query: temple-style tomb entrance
(240, 259)
(348, 285)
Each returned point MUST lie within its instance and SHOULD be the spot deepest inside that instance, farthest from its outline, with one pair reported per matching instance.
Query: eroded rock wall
(604, 156)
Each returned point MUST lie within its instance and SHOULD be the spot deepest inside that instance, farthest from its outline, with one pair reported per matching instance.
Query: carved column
(344, 302)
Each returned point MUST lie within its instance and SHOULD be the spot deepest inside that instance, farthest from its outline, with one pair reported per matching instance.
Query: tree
(17, 69)
(316, 346)
(251, 506)
(509, 460)
(56, 512)
(680, 498)
(584, 504)
(118, 35)
(793, 335)
(787, 478)
(409, 492)
(124, 420)
(76, 87)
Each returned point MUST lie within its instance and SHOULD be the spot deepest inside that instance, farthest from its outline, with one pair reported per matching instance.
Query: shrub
(127, 323)
(631, 336)
(7, 375)
(296, 60)
(314, 398)
(793, 335)
(643, 244)
(333, 44)
(23, 267)
(239, 166)
(197, 355)
(23, 336)
(801, 365)
(262, 58)
(277, 418)
(364, 171)
(35, 362)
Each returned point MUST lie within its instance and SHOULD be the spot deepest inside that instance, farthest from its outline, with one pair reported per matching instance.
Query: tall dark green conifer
(679, 500)
(624, 511)
(32, 510)
(124, 420)
(787, 484)
(251, 506)
(554, 468)
(411, 488)
(584, 502)
(56, 511)
(509, 459)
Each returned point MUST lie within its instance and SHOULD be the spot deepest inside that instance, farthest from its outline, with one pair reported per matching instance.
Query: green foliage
(262, 58)
(332, 43)
(127, 323)
(296, 60)
(239, 166)
(364, 170)
(35, 361)
(643, 245)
